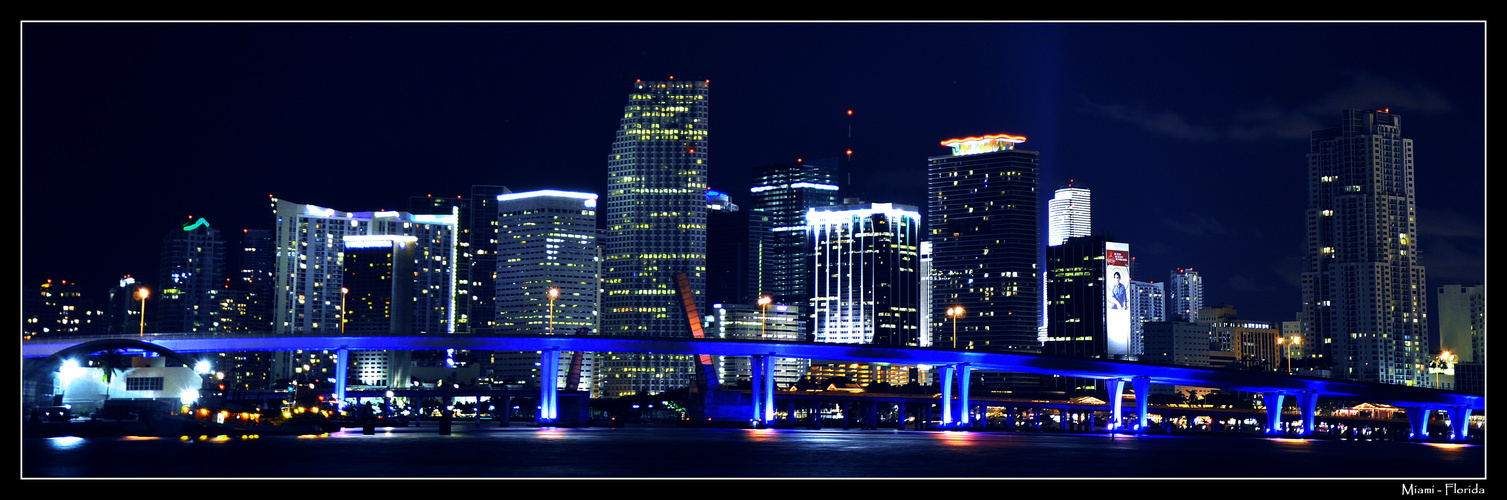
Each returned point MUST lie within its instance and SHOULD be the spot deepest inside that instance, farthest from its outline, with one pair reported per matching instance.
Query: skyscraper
(546, 240)
(1069, 215)
(866, 274)
(656, 228)
(782, 194)
(192, 275)
(1364, 296)
(1185, 295)
(983, 224)
(1089, 312)
(1147, 304)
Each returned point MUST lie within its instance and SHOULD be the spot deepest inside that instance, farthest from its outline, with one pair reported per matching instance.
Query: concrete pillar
(549, 394)
(1308, 402)
(965, 419)
(1273, 403)
(768, 387)
(756, 376)
(1142, 387)
(1459, 423)
(1116, 388)
(947, 374)
(1418, 422)
(342, 369)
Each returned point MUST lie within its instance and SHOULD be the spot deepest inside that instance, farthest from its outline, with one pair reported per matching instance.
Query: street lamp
(763, 306)
(554, 293)
(343, 292)
(955, 312)
(143, 293)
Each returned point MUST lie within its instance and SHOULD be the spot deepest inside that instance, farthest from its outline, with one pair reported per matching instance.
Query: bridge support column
(1308, 402)
(1459, 423)
(1116, 387)
(947, 372)
(1418, 422)
(756, 377)
(768, 387)
(342, 369)
(1142, 387)
(965, 416)
(549, 393)
(763, 389)
(1273, 402)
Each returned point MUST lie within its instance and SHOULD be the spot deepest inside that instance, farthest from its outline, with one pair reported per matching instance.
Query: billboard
(1117, 299)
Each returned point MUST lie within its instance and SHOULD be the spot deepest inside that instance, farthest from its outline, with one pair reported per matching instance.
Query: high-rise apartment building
(311, 261)
(656, 229)
(1185, 295)
(1147, 304)
(1364, 295)
(983, 224)
(190, 279)
(866, 269)
(782, 194)
(1069, 215)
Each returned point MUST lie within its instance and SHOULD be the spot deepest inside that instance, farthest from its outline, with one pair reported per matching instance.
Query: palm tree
(109, 362)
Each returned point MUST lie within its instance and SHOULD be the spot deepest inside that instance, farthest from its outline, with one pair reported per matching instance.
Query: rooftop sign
(984, 144)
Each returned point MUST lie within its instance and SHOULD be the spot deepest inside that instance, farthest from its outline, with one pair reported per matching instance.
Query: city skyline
(1179, 141)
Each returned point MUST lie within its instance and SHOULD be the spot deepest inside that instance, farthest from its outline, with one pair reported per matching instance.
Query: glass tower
(983, 224)
(782, 193)
(655, 229)
(867, 263)
(192, 275)
(1069, 215)
(1364, 296)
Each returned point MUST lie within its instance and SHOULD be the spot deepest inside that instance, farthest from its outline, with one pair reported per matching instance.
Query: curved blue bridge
(955, 365)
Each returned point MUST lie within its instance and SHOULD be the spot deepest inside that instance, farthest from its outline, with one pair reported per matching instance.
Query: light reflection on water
(520, 452)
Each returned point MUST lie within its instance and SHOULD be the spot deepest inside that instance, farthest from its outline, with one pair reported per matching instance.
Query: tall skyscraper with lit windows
(983, 224)
(1364, 295)
(546, 240)
(656, 228)
(191, 277)
(1185, 295)
(867, 274)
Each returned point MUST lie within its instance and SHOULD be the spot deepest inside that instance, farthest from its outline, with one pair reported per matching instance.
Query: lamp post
(763, 307)
(143, 293)
(554, 293)
(955, 312)
(343, 292)
(1284, 354)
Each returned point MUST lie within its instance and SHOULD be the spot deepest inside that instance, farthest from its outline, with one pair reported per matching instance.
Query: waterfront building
(1364, 293)
(310, 264)
(731, 246)
(60, 309)
(983, 224)
(656, 229)
(866, 274)
(190, 278)
(546, 241)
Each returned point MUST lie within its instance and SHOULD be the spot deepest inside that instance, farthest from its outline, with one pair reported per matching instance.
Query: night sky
(1192, 136)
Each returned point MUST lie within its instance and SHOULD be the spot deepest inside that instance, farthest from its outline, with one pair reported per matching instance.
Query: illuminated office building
(1088, 290)
(866, 275)
(546, 240)
(983, 224)
(1069, 215)
(1462, 335)
(1364, 295)
(782, 194)
(656, 229)
(191, 276)
(773, 321)
(60, 309)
